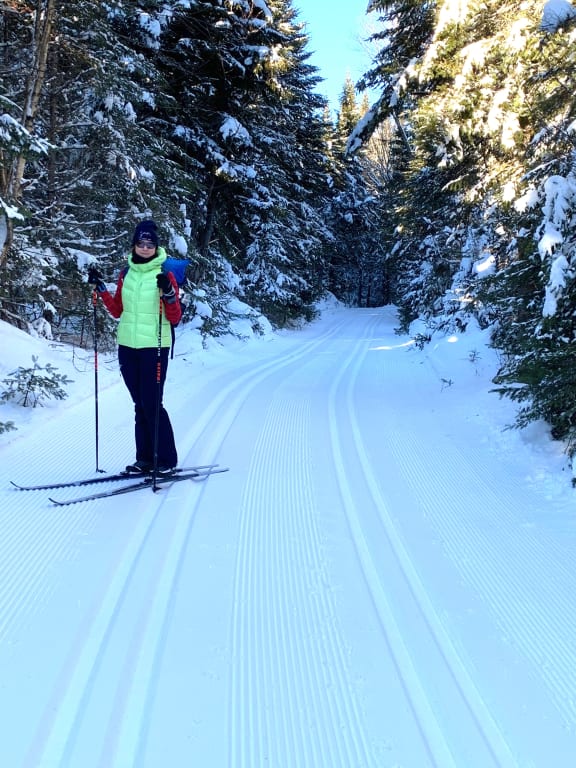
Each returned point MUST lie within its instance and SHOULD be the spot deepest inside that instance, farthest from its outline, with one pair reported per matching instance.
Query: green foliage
(538, 368)
(31, 386)
(542, 380)
(6, 426)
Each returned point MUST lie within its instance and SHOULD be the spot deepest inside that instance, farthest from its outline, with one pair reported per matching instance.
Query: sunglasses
(145, 244)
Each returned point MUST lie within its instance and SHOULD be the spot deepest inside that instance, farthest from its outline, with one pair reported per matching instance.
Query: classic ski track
(496, 749)
(232, 396)
(516, 594)
(74, 696)
(125, 734)
(288, 675)
(504, 588)
(21, 589)
(509, 490)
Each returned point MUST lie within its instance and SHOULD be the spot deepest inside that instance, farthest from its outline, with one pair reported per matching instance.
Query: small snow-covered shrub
(31, 386)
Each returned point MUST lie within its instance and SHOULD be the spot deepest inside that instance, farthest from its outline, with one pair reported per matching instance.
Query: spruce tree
(357, 273)
(201, 115)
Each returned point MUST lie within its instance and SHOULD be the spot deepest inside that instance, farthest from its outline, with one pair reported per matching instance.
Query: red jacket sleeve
(173, 310)
(114, 303)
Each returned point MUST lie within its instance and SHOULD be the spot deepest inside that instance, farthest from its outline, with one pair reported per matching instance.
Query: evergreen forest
(452, 196)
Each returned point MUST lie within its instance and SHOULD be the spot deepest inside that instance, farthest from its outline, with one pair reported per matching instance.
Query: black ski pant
(139, 371)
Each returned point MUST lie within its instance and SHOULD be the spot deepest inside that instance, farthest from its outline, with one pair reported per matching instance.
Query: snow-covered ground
(385, 578)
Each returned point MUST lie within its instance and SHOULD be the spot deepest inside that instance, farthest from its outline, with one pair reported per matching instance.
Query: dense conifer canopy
(453, 195)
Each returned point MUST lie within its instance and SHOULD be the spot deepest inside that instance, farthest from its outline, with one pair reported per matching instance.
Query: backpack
(178, 268)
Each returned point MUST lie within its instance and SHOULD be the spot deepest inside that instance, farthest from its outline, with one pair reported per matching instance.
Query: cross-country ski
(194, 474)
(102, 478)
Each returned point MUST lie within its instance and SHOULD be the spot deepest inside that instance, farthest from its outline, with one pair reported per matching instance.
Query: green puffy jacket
(138, 327)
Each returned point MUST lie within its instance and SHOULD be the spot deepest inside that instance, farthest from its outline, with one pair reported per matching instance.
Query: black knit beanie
(146, 230)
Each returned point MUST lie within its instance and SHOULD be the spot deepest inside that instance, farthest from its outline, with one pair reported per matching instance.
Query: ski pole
(94, 304)
(158, 395)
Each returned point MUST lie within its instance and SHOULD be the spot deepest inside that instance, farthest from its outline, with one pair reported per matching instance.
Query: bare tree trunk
(11, 190)
(402, 132)
(206, 232)
(360, 289)
(53, 122)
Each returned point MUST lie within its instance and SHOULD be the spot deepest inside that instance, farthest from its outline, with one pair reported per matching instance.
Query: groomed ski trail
(334, 601)
(112, 641)
(480, 740)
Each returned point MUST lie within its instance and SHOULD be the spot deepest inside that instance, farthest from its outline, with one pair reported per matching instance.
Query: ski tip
(66, 503)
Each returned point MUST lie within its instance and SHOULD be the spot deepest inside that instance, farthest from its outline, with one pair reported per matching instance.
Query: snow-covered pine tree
(248, 119)
(357, 272)
(23, 57)
(538, 340)
(101, 173)
(202, 115)
(27, 32)
(486, 104)
(283, 267)
(458, 101)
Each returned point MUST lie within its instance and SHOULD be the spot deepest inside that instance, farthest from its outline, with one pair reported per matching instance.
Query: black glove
(95, 278)
(163, 282)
